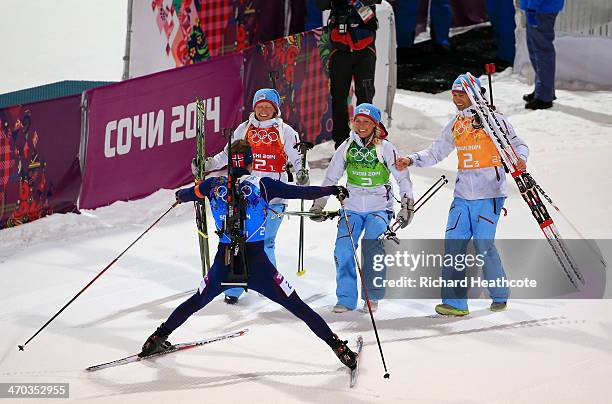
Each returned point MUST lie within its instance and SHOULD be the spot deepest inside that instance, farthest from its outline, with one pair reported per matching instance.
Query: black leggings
(343, 66)
(263, 278)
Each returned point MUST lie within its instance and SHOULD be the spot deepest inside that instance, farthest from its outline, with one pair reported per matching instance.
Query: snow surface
(537, 351)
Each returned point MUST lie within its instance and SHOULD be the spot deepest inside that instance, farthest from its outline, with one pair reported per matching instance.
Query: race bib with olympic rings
(363, 168)
(268, 149)
(475, 149)
(254, 204)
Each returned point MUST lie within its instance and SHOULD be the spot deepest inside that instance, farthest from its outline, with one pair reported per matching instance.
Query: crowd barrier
(39, 166)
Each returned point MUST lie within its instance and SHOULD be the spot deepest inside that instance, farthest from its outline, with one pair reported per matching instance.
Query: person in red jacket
(352, 25)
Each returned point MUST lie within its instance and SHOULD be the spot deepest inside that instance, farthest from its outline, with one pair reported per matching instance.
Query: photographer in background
(352, 25)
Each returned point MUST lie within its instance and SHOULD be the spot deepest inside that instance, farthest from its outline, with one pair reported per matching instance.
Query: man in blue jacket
(262, 276)
(541, 16)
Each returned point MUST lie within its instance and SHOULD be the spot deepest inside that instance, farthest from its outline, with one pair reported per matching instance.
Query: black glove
(185, 195)
(341, 192)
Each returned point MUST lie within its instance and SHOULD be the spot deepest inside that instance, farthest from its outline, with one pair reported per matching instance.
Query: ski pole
(442, 178)
(489, 70)
(444, 182)
(303, 148)
(21, 347)
(390, 233)
(586, 241)
(326, 214)
(365, 289)
(301, 271)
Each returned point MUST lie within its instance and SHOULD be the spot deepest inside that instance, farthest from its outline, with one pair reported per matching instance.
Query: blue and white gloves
(319, 204)
(404, 216)
(207, 165)
(302, 177)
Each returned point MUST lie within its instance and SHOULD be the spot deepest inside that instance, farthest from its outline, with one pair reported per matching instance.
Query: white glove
(404, 217)
(302, 177)
(208, 163)
(317, 208)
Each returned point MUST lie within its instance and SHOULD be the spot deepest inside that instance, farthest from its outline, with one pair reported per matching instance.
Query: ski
(355, 372)
(200, 206)
(170, 349)
(527, 186)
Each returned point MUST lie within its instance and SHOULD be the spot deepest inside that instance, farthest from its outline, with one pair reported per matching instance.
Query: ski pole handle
(489, 70)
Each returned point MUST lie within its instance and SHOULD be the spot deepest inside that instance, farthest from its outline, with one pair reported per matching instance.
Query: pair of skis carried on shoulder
(528, 187)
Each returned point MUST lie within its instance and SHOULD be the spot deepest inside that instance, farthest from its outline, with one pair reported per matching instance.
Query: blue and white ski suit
(479, 198)
(369, 211)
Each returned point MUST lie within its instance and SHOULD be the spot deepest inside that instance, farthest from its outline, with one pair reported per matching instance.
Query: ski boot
(373, 305)
(498, 306)
(342, 351)
(156, 342)
(448, 310)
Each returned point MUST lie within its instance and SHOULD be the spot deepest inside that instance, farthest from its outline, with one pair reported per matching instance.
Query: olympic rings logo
(462, 127)
(262, 136)
(246, 190)
(369, 155)
(221, 191)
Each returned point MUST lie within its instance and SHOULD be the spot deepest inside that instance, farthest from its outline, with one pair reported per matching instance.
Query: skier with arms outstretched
(257, 192)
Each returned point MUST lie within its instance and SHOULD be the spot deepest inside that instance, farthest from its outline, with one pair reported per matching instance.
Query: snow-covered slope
(551, 351)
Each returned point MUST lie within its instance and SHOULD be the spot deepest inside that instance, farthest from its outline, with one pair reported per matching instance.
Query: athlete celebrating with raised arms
(260, 274)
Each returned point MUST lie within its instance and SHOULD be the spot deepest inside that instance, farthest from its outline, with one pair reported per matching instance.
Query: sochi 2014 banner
(39, 167)
(141, 132)
(171, 33)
